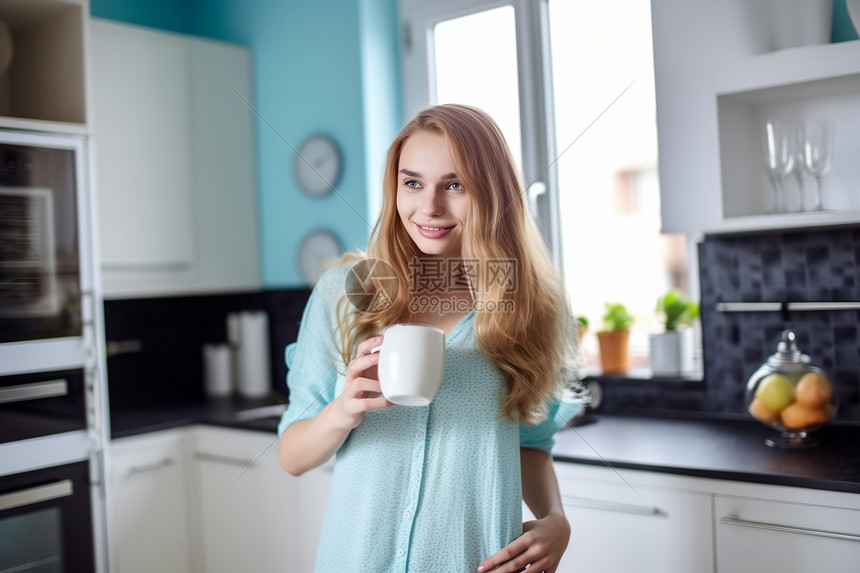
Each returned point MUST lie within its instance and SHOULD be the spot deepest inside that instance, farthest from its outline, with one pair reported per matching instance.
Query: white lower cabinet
(210, 500)
(629, 520)
(619, 526)
(785, 537)
(149, 514)
(252, 515)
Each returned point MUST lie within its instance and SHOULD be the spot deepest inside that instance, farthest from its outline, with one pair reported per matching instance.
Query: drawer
(764, 536)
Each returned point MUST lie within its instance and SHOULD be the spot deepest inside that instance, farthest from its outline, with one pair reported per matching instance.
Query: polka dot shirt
(433, 488)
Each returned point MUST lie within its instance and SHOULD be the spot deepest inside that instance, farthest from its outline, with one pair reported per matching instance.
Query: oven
(45, 520)
(52, 413)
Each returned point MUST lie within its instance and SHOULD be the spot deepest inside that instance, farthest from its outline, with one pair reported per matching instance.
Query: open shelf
(807, 83)
(790, 68)
(45, 79)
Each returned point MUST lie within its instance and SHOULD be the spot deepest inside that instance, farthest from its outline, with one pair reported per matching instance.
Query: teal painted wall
(843, 29)
(329, 67)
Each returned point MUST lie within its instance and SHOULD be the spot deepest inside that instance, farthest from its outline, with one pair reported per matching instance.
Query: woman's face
(431, 201)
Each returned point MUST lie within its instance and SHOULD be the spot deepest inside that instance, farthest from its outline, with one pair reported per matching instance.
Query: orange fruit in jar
(759, 412)
(813, 390)
(797, 415)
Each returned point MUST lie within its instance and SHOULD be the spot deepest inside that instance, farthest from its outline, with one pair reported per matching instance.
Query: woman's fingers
(368, 344)
(360, 364)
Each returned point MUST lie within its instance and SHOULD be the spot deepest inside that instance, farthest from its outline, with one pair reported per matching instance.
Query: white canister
(217, 370)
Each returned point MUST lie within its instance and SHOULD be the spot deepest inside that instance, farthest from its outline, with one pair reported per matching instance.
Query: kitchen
(180, 482)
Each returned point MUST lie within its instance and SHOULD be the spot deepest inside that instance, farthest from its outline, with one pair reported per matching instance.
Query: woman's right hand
(361, 390)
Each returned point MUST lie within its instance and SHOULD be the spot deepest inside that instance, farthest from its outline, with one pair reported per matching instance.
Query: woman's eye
(455, 186)
(413, 184)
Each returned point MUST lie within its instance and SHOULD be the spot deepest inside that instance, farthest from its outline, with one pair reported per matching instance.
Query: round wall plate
(317, 165)
(317, 247)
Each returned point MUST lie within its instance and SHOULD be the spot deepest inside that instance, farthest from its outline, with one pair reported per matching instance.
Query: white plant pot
(672, 353)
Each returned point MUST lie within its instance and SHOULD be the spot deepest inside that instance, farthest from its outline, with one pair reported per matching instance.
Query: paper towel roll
(217, 370)
(254, 366)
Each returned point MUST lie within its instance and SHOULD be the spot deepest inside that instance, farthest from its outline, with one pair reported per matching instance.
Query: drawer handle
(36, 495)
(248, 464)
(612, 506)
(34, 391)
(144, 468)
(731, 520)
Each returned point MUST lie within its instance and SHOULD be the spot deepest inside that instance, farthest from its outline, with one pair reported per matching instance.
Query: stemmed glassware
(779, 157)
(817, 152)
(798, 170)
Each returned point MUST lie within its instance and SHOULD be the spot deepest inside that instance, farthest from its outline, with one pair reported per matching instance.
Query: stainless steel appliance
(52, 417)
(45, 520)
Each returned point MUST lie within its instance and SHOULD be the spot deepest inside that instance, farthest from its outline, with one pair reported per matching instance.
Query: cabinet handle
(732, 520)
(35, 495)
(34, 391)
(612, 506)
(224, 460)
(143, 468)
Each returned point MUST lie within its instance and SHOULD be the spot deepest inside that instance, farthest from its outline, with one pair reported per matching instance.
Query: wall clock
(316, 247)
(317, 165)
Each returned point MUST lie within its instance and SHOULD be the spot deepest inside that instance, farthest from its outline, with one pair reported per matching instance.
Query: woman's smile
(433, 232)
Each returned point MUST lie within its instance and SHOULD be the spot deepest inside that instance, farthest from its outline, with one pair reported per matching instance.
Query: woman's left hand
(542, 544)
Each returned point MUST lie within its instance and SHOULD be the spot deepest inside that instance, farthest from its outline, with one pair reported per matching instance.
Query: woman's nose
(431, 205)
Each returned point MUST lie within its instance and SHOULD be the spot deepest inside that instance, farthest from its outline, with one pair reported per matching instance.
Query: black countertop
(716, 449)
(225, 412)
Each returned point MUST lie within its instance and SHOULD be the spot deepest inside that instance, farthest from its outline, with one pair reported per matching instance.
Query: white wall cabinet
(253, 516)
(175, 168)
(615, 527)
(149, 517)
(716, 83)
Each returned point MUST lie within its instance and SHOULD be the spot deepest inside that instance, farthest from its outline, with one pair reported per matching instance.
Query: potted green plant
(614, 339)
(672, 350)
(581, 326)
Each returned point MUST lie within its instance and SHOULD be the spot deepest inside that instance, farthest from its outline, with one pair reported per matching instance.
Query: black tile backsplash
(797, 266)
(172, 332)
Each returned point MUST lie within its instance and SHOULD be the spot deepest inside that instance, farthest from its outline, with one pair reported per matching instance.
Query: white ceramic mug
(411, 363)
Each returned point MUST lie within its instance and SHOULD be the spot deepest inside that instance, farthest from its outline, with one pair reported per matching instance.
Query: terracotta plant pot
(614, 356)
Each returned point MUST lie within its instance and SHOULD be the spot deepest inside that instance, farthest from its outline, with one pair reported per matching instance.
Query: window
(571, 83)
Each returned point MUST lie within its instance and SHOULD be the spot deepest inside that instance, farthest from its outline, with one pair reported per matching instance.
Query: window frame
(534, 70)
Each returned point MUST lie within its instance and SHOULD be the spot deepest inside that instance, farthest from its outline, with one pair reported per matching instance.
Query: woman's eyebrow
(446, 177)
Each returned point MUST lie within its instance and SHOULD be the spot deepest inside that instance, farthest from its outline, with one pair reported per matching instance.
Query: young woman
(439, 487)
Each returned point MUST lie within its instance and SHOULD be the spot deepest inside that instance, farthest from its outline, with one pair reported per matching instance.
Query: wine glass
(779, 157)
(817, 153)
(797, 170)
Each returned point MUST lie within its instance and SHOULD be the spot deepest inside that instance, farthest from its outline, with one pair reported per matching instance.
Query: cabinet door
(619, 527)
(782, 537)
(254, 516)
(141, 92)
(224, 168)
(148, 509)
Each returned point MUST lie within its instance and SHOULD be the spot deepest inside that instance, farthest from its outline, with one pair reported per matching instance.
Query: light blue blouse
(433, 488)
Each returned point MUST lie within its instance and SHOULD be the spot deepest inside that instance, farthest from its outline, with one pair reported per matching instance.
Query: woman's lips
(433, 231)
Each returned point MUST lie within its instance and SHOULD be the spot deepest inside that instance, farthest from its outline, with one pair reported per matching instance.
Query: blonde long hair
(536, 344)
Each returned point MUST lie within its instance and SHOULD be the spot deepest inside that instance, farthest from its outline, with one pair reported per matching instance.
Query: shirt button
(415, 476)
(420, 435)
(401, 553)
(407, 515)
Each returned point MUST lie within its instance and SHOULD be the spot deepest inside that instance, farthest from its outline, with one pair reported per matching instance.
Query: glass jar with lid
(791, 395)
